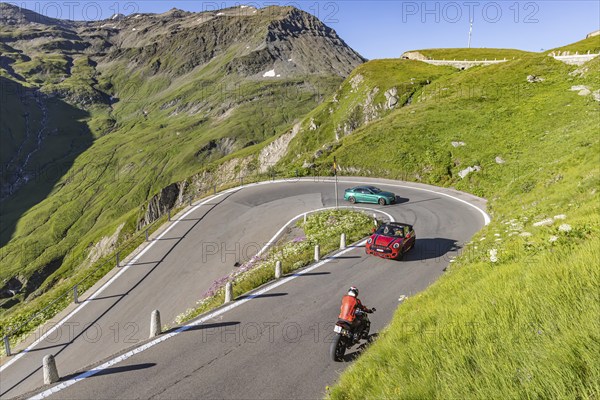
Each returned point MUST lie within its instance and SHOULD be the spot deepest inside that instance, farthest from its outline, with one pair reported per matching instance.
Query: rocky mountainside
(66, 59)
(98, 117)
(284, 39)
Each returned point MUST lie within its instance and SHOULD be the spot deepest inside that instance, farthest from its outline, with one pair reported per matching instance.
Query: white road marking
(174, 222)
(486, 217)
(217, 313)
(103, 287)
(209, 317)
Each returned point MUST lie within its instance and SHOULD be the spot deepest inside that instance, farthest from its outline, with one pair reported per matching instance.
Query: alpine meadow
(110, 127)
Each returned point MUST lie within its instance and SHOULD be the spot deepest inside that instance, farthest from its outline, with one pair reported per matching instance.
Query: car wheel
(382, 202)
(352, 200)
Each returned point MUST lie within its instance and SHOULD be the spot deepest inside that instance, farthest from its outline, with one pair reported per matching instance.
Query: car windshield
(387, 230)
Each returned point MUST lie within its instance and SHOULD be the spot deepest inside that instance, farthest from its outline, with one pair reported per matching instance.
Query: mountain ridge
(148, 98)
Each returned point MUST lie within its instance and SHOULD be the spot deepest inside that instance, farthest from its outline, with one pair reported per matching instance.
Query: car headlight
(396, 245)
(370, 241)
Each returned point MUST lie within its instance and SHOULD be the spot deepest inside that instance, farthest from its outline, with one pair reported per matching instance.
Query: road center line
(220, 311)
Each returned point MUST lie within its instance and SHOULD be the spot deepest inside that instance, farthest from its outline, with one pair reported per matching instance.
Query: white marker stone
(155, 328)
(50, 371)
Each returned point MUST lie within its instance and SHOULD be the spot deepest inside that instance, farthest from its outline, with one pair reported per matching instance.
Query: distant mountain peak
(11, 14)
(176, 13)
(286, 40)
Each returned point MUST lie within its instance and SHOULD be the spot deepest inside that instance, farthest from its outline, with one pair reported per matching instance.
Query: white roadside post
(228, 292)
(50, 371)
(155, 328)
(343, 241)
(7, 346)
(278, 270)
(317, 253)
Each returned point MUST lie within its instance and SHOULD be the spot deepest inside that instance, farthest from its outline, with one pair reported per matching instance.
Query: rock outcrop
(105, 246)
(391, 96)
(274, 151)
(163, 202)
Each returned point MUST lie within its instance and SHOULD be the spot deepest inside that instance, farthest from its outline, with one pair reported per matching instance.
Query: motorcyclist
(350, 304)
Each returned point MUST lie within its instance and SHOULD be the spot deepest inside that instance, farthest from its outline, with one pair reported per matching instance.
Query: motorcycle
(344, 336)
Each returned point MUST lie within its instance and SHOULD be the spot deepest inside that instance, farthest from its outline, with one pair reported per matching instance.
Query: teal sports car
(369, 194)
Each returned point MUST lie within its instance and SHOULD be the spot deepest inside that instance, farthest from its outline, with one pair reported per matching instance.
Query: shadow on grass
(25, 184)
(349, 357)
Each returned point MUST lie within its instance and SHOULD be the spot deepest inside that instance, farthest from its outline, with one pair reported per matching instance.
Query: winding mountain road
(271, 345)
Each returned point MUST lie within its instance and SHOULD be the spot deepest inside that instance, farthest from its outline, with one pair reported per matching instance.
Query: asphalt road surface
(271, 346)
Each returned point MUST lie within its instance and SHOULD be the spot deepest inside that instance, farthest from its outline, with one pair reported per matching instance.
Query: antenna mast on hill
(470, 32)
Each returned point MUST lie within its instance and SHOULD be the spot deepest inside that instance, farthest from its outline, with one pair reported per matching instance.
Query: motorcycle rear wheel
(337, 348)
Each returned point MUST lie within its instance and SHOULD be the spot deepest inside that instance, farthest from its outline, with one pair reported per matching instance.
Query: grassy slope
(472, 54)
(526, 325)
(590, 44)
(140, 156)
(348, 106)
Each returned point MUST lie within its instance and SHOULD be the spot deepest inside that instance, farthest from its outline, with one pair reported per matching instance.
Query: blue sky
(383, 29)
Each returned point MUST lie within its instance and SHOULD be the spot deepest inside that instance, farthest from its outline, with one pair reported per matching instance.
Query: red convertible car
(391, 240)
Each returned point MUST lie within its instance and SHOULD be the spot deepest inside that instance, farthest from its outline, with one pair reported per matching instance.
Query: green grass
(478, 54)
(121, 128)
(470, 335)
(526, 325)
(104, 166)
(44, 68)
(513, 330)
(583, 46)
(347, 108)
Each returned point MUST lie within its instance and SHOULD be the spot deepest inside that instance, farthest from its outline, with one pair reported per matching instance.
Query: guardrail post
(278, 270)
(50, 371)
(7, 346)
(228, 292)
(75, 296)
(343, 241)
(317, 253)
(118, 259)
(155, 328)
(147, 235)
